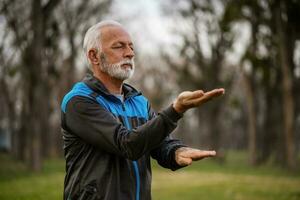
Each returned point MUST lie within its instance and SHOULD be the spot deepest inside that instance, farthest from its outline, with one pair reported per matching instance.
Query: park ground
(207, 180)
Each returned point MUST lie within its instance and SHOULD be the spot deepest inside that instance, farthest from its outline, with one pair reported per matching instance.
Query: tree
(39, 67)
(197, 68)
(273, 35)
(267, 62)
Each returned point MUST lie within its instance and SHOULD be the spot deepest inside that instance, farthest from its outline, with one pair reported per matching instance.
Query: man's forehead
(114, 33)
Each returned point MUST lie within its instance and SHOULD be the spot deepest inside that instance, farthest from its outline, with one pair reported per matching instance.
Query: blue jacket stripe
(79, 89)
(138, 184)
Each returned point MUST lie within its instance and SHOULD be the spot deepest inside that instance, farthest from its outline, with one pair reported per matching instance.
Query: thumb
(184, 161)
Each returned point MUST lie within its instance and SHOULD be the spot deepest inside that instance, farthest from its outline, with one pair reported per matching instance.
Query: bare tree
(197, 68)
(40, 65)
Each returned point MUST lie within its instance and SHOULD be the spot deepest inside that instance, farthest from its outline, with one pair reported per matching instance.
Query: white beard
(115, 70)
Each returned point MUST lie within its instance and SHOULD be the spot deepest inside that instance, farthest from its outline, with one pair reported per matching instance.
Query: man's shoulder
(79, 89)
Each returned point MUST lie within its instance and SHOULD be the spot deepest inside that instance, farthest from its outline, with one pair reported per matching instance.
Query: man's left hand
(185, 155)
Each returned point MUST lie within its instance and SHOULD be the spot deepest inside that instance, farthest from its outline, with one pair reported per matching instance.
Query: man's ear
(93, 56)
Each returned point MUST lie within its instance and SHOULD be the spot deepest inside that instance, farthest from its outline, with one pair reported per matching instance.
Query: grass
(18, 183)
(220, 185)
(203, 180)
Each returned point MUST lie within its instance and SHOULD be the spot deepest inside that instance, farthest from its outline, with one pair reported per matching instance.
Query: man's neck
(114, 86)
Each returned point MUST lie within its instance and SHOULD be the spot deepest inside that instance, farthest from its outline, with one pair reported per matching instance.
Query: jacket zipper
(135, 164)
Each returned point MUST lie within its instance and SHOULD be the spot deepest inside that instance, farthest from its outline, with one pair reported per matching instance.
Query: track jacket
(108, 142)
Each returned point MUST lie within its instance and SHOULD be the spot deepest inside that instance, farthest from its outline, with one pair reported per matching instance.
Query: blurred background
(249, 47)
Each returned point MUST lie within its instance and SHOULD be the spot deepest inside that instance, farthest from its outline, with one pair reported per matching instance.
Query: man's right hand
(188, 99)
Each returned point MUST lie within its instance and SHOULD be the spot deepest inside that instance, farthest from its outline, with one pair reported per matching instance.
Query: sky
(144, 21)
(151, 29)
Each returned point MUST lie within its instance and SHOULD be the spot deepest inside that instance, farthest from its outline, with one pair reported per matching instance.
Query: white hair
(92, 38)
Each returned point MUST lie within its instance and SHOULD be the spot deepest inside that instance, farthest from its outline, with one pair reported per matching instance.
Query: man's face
(116, 53)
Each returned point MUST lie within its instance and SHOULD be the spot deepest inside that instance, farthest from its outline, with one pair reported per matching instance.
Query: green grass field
(203, 180)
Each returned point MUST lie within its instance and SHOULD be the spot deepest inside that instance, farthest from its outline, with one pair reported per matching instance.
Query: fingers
(206, 97)
(214, 93)
(196, 153)
(196, 94)
(199, 154)
(188, 99)
(185, 96)
(185, 155)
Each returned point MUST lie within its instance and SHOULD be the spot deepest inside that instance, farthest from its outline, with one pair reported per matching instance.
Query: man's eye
(117, 47)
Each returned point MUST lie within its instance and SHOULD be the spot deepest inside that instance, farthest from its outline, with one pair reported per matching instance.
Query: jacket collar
(97, 86)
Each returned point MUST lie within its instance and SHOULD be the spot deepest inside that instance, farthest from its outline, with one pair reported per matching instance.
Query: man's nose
(129, 52)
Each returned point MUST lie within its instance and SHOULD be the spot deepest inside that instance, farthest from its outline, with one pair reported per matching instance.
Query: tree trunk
(35, 86)
(252, 130)
(288, 101)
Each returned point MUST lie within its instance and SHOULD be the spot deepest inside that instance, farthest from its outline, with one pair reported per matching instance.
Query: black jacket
(108, 142)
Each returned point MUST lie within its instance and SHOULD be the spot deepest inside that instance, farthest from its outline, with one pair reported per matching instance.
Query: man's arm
(172, 153)
(95, 125)
(164, 154)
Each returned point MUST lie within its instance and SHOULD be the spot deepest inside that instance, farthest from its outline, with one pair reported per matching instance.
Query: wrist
(178, 108)
(175, 165)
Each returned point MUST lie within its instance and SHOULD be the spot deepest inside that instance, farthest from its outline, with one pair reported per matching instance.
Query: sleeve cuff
(171, 113)
(174, 165)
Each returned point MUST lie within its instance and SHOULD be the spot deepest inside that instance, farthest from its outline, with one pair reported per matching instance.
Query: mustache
(127, 61)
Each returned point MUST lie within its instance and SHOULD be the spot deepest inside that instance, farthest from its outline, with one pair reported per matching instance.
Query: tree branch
(47, 9)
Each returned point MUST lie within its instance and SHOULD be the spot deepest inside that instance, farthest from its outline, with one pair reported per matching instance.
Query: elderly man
(109, 129)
